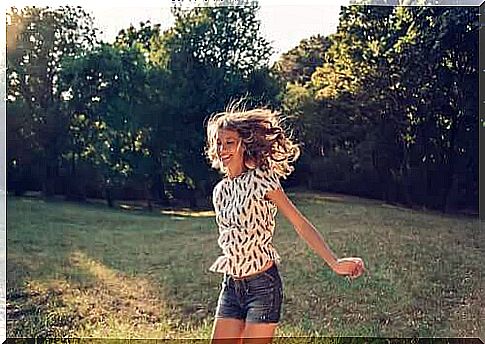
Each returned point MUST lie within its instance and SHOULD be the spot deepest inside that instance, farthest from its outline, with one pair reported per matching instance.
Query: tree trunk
(108, 192)
(49, 179)
(404, 181)
(382, 171)
(449, 173)
(450, 151)
(192, 200)
(159, 189)
(75, 185)
(148, 195)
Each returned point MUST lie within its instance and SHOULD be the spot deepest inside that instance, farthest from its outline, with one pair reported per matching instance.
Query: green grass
(89, 271)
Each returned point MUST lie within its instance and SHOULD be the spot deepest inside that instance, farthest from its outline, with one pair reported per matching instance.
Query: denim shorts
(256, 298)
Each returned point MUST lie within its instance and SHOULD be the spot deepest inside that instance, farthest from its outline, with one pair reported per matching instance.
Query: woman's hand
(352, 267)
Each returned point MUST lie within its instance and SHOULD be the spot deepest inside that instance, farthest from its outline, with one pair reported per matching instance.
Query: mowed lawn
(89, 271)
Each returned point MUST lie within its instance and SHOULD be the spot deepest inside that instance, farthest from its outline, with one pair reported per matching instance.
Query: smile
(225, 158)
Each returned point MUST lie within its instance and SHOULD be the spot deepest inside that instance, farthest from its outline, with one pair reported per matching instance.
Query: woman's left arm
(346, 266)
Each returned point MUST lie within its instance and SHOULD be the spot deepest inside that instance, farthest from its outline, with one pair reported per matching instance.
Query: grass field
(90, 271)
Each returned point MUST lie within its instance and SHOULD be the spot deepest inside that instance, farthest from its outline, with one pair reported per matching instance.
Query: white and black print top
(246, 222)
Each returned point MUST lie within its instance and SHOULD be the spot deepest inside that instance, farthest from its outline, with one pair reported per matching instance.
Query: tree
(454, 99)
(227, 38)
(391, 94)
(209, 57)
(38, 39)
(213, 55)
(298, 64)
(141, 38)
(106, 95)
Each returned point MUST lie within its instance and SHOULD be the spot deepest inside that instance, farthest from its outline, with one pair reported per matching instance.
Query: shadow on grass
(92, 300)
(87, 271)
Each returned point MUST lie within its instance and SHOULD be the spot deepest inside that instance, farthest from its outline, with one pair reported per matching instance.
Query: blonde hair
(266, 145)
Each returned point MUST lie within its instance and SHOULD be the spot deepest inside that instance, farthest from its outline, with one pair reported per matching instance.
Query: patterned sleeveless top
(246, 222)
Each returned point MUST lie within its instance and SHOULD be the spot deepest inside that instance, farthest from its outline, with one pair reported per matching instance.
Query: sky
(283, 25)
(284, 22)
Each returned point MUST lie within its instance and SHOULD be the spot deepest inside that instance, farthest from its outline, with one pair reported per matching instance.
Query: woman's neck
(236, 172)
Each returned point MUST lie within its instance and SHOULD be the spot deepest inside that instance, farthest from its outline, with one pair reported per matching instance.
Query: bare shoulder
(278, 197)
(286, 207)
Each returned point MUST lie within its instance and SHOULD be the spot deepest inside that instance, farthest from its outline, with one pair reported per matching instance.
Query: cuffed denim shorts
(256, 298)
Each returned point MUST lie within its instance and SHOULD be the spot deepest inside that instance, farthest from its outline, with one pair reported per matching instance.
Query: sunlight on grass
(130, 207)
(115, 305)
(185, 212)
(328, 197)
(88, 271)
(120, 306)
(188, 213)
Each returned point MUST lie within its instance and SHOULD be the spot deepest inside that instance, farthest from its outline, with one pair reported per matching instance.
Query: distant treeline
(387, 107)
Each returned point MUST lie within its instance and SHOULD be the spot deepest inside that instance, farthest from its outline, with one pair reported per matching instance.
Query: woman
(253, 152)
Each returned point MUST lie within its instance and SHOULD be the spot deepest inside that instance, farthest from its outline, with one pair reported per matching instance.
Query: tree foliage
(213, 55)
(385, 107)
(38, 38)
(298, 64)
(108, 95)
(386, 98)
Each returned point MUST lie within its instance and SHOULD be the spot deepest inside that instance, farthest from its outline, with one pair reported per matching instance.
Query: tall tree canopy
(385, 107)
(388, 105)
(298, 64)
(38, 40)
(213, 55)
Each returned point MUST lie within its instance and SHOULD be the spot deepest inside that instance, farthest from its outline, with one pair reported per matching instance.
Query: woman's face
(230, 150)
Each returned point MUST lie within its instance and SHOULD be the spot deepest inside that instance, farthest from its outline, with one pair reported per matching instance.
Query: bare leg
(256, 333)
(227, 331)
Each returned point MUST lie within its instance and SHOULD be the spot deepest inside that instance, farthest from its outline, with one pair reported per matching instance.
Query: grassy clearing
(89, 271)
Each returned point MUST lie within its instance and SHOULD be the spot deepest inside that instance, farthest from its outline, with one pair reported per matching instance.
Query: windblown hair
(265, 143)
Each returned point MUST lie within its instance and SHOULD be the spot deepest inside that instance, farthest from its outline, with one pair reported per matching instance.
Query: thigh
(229, 303)
(264, 298)
(227, 330)
(258, 333)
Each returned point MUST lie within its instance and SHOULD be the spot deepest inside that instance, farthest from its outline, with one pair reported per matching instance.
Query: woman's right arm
(353, 267)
